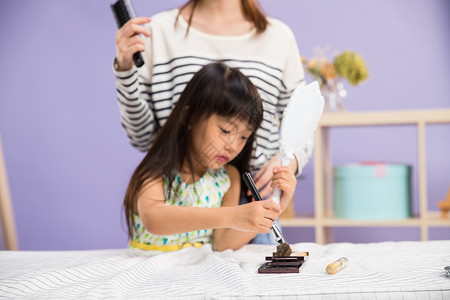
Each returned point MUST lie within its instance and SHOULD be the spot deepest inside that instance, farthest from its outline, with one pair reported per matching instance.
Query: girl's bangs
(244, 107)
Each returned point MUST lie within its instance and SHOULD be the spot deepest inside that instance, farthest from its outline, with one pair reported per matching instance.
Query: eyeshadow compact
(284, 264)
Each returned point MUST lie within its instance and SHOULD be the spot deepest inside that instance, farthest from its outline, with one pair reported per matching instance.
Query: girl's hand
(129, 42)
(286, 182)
(257, 216)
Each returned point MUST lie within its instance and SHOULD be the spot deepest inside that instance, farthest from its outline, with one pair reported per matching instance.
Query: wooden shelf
(333, 119)
(433, 219)
(335, 222)
(309, 221)
(8, 226)
(298, 221)
(323, 171)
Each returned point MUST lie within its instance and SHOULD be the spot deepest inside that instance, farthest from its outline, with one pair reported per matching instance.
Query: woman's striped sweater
(270, 59)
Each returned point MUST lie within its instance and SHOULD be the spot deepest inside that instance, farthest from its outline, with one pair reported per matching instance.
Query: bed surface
(388, 270)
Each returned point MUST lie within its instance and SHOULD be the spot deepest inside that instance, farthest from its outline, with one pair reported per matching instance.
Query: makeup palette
(284, 264)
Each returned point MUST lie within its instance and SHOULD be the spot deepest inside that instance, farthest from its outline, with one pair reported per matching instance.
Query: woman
(177, 43)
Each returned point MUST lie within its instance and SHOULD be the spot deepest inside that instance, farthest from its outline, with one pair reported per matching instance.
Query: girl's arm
(161, 219)
(229, 238)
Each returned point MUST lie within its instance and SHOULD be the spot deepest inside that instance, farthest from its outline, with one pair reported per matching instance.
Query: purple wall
(69, 160)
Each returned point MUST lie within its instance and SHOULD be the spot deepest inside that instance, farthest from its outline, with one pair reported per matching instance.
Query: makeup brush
(283, 248)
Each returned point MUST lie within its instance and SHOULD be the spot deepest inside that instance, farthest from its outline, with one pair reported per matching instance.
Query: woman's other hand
(264, 177)
(284, 180)
(129, 42)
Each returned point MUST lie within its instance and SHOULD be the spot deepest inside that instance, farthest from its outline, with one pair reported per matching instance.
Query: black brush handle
(123, 12)
(279, 239)
(251, 186)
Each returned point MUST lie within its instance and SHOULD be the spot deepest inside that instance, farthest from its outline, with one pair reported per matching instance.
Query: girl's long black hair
(214, 89)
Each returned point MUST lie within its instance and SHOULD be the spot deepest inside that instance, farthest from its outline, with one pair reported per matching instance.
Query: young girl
(189, 182)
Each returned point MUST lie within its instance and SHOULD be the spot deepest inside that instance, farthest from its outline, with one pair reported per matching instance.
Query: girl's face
(218, 140)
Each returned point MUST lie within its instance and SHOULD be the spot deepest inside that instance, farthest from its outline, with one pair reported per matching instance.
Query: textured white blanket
(390, 270)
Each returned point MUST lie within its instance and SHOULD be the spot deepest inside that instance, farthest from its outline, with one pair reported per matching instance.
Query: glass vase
(333, 92)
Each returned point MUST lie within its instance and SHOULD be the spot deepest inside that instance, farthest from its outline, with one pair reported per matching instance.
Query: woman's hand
(129, 42)
(264, 177)
(284, 180)
(257, 216)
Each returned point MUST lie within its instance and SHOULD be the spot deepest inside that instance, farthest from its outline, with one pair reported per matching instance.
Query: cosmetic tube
(337, 265)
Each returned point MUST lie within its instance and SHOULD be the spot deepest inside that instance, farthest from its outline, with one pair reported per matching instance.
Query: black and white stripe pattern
(141, 119)
(270, 60)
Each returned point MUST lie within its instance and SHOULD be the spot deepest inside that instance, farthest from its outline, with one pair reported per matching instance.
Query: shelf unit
(8, 226)
(323, 220)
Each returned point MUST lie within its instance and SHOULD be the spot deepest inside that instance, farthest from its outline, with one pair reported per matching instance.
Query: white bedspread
(390, 270)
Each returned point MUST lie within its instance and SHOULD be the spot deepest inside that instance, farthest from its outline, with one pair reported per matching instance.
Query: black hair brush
(283, 248)
(123, 11)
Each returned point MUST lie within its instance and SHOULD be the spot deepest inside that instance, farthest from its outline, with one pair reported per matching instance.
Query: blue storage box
(372, 191)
